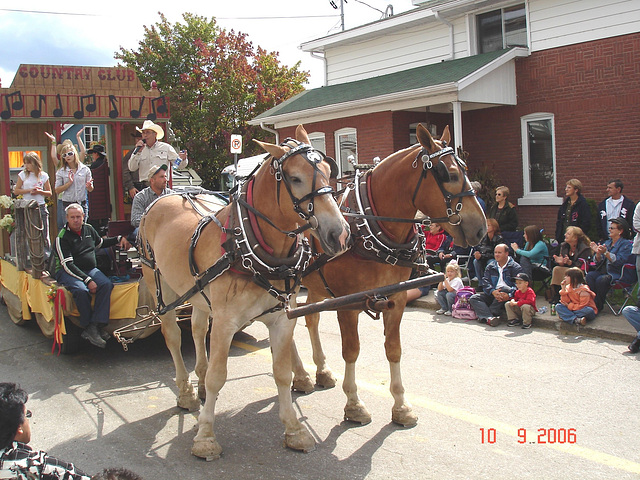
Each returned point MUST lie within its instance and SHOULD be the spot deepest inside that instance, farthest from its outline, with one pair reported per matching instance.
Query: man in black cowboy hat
(610, 256)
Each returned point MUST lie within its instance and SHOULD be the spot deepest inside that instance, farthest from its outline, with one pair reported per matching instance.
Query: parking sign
(236, 143)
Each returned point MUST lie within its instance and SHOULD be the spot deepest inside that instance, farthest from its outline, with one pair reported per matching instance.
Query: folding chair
(626, 283)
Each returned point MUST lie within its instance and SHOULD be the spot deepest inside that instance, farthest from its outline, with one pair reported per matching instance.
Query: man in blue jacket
(498, 286)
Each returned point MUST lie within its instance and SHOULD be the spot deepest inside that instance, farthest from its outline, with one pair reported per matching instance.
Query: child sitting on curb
(448, 288)
(522, 307)
(577, 304)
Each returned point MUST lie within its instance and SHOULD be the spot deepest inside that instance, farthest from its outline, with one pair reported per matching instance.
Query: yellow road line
(475, 419)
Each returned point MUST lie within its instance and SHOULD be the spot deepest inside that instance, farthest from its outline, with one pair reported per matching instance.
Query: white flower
(5, 201)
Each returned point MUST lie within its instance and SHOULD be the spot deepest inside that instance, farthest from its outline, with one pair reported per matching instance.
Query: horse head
(446, 174)
(302, 187)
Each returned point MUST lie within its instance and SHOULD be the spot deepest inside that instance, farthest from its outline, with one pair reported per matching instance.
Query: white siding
(557, 23)
(415, 47)
(553, 23)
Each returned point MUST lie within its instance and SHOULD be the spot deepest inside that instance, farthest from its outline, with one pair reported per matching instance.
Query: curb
(606, 326)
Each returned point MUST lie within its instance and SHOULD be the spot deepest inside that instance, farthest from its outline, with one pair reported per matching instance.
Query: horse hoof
(202, 392)
(326, 379)
(189, 401)
(300, 440)
(207, 449)
(304, 385)
(404, 416)
(357, 414)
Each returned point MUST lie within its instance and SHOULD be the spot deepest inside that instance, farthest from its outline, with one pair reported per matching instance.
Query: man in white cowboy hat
(150, 151)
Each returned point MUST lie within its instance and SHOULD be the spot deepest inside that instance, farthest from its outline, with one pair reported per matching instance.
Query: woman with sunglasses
(504, 211)
(73, 179)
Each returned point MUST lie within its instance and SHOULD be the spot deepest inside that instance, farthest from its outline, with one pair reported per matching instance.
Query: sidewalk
(605, 325)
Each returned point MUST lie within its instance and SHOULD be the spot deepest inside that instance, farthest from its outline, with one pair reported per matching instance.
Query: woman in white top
(73, 179)
(33, 184)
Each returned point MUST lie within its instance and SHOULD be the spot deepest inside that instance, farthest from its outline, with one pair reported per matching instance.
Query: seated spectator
(636, 240)
(483, 252)
(522, 307)
(577, 305)
(609, 258)
(615, 205)
(448, 288)
(76, 270)
(17, 459)
(632, 314)
(434, 237)
(504, 211)
(575, 251)
(450, 251)
(574, 211)
(477, 186)
(497, 286)
(534, 251)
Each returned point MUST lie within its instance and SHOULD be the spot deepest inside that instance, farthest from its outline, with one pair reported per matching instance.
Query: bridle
(314, 158)
(439, 170)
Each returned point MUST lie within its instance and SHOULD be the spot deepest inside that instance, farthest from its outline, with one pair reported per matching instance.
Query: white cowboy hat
(149, 125)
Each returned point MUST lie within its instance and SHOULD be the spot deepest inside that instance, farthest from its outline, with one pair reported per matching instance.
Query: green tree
(215, 81)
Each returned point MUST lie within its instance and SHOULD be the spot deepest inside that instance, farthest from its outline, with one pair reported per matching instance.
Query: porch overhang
(480, 81)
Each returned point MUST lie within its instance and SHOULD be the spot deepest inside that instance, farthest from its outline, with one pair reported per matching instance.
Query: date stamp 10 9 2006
(538, 437)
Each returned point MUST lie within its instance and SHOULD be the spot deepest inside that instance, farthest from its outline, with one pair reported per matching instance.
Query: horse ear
(446, 135)
(301, 135)
(276, 151)
(424, 137)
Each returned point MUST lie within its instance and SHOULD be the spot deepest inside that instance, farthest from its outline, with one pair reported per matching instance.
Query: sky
(82, 33)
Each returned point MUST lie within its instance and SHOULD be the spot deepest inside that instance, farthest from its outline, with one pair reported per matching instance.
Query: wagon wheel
(46, 327)
(71, 341)
(14, 307)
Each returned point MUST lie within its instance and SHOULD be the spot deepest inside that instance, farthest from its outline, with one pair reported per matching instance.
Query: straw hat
(149, 125)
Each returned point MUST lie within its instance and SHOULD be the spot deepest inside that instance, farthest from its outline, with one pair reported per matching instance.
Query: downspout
(324, 59)
(450, 25)
(271, 130)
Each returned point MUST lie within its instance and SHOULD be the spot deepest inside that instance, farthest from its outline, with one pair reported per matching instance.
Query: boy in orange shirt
(522, 307)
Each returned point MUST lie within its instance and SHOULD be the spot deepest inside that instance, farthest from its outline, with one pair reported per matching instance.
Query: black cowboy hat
(97, 148)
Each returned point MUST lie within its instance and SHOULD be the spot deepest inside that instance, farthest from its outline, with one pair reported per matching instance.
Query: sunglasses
(28, 414)
(68, 154)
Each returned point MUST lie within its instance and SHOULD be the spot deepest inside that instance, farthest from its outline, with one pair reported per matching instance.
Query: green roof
(419, 77)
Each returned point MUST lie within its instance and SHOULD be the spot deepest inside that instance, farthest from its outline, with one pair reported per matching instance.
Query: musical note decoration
(162, 108)
(57, 112)
(91, 107)
(15, 105)
(113, 113)
(136, 113)
(37, 112)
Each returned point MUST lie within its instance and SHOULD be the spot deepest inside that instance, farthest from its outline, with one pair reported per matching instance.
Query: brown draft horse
(235, 299)
(395, 191)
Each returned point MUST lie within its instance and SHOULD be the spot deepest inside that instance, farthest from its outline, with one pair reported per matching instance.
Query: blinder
(314, 158)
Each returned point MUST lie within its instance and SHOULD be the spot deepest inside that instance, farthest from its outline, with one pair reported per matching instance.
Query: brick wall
(593, 90)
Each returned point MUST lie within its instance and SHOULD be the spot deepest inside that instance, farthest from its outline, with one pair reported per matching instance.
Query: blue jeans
(486, 305)
(632, 314)
(570, 316)
(82, 296)
(446, 299)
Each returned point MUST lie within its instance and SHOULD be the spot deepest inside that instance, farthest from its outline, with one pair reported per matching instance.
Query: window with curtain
(538, 154)
(346, 148)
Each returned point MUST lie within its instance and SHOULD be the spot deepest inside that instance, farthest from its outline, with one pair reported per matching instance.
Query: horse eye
(295, 180)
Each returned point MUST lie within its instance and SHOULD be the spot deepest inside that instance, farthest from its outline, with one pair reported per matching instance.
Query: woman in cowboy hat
(150, 151)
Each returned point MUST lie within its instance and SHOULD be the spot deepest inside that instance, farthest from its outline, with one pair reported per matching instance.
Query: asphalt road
(106, 408)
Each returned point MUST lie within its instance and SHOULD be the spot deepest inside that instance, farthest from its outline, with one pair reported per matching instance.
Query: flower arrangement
(51, 293)
(7, 222)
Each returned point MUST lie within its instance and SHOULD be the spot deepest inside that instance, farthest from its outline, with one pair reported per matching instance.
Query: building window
(318, 142)
(502, 28)
(346, 149)
(91, 135)
(539, 160)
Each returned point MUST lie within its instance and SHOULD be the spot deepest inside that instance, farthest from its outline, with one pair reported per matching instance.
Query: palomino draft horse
(426, 177)
(255, 254)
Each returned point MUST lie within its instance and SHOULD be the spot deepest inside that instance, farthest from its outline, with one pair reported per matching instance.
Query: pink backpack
(462, 308)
